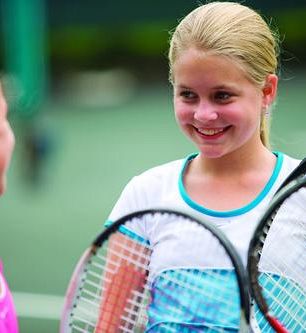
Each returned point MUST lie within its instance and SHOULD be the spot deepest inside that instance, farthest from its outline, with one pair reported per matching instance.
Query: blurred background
(90, 104)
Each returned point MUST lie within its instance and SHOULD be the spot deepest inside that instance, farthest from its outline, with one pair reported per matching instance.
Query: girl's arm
(124, 281)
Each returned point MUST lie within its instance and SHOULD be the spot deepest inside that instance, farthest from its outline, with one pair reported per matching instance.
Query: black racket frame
(262, 229)
(242, 277)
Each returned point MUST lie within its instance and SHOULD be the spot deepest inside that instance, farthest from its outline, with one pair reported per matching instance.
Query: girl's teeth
(210, 131)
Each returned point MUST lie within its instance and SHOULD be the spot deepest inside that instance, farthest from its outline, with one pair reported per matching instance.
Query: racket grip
(277, 326)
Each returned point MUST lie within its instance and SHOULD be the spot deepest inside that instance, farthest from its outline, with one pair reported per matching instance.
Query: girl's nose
(205, 112)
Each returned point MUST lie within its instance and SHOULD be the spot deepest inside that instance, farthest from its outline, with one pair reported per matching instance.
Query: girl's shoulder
(289, 163)
(169, 170)
(162, 175)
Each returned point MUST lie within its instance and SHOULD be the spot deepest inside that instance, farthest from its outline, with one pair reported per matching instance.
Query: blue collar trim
(235, 212)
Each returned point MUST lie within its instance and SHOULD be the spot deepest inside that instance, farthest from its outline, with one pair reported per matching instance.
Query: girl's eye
(187, 94)
(222, 96)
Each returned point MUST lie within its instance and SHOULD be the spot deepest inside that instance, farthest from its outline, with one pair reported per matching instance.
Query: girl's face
(7, 142)
(216, 105)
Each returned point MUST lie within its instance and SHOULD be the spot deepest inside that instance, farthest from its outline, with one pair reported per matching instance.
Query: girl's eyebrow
(180, 86)
(217, 87)
(224, 87)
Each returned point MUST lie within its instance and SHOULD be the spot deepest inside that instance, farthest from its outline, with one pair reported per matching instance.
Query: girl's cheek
(180, 116)
(183, 113)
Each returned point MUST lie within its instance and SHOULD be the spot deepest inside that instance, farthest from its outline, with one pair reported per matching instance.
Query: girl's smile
(212, 133)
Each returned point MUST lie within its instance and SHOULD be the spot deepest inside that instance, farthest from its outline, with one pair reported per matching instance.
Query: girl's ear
(269, 90)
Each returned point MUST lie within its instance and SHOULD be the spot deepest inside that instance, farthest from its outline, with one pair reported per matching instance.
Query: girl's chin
(212, 153)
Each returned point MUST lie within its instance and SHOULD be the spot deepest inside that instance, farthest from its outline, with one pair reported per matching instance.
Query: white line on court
(38, 305)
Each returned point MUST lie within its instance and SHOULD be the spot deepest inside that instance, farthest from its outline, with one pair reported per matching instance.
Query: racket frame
(257, 242)
(71, 294)
(241, 273)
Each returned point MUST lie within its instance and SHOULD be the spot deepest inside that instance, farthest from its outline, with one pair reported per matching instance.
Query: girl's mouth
(212, 133)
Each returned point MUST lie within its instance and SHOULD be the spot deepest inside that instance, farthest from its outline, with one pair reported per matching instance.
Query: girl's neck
(229, 182)
(235, 163)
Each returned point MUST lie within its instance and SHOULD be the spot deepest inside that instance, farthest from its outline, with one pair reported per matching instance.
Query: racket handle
(277, 326)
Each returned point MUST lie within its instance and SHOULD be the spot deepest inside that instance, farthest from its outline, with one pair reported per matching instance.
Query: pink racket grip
(72, 287)
(277, 326)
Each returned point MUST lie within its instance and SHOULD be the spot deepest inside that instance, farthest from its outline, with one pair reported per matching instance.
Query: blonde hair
(235, 31)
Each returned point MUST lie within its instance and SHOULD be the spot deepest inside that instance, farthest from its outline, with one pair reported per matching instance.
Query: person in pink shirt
(8, 318)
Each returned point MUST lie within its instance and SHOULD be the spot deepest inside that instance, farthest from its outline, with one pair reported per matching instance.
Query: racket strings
(89, 300)
(282, 264)
(129, 262)
(280, 297)
(208, 286)
(182, 280)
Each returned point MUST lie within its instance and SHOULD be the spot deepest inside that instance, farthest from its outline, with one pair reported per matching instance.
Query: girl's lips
(212, 133)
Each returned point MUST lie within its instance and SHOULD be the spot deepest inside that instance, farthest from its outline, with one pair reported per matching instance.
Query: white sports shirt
(163, 187)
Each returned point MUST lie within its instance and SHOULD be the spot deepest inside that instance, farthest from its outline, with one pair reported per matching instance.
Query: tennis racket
(277, 261)
(123, 283)
(300, 170)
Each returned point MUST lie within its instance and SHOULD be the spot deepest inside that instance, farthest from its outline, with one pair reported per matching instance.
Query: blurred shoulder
(164, 170)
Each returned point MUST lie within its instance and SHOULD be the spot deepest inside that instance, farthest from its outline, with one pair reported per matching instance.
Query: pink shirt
(8, 318)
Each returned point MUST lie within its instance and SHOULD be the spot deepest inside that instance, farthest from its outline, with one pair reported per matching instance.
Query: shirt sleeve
(132, 199)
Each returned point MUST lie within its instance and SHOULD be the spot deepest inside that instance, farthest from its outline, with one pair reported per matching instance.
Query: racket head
(77, 318)
(277, 261)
